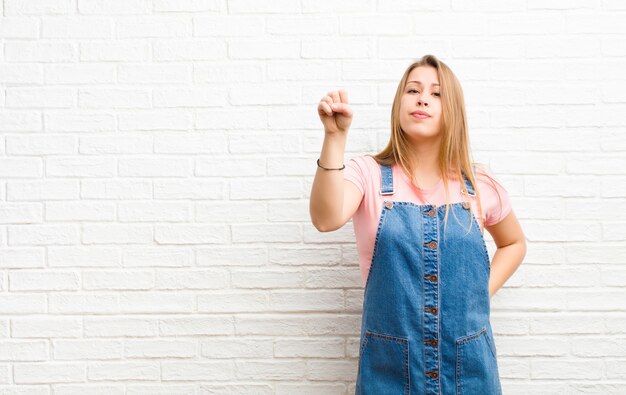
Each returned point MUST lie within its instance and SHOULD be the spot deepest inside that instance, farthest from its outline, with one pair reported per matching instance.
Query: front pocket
(383, 365)
(476, 366)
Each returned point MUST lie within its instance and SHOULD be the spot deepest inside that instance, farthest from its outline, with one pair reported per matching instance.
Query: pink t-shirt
(365, 173)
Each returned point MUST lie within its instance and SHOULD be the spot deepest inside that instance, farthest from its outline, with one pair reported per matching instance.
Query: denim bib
(425, 327)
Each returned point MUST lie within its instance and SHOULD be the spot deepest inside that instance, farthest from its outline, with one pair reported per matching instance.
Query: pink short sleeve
(494, 197)
(357, 171)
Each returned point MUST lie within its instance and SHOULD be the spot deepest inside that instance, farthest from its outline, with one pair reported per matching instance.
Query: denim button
(431, 343)
(430, 212)
(432, 244)
(431, 278)
(466, 205)
(433, 375)
(388, 204)
(431, 309)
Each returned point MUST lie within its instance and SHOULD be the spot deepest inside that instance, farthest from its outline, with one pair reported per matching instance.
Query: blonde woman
(419, 209)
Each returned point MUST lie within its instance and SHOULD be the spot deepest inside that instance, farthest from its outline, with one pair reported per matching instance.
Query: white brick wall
(156, 159)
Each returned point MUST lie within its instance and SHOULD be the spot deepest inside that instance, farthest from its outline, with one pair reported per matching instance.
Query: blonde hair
(454, 157)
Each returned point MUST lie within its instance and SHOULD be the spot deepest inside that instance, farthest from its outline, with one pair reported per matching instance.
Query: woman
(419, 209)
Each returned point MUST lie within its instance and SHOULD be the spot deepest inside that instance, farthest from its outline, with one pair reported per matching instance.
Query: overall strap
(386, 183)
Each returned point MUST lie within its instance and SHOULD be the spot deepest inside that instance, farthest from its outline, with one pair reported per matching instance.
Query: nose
(422, 101)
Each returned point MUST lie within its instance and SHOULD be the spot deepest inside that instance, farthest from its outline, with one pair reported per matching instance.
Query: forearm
(326, 200)
(504, 263)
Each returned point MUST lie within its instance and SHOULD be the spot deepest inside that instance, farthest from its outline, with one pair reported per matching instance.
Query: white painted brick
(197, 325)
(21, 258)
(121, 280)
(79, 122)
(239, 48)
(143, 211)
(123, 371)
(191, 234)
(21, 73)
(40, 145)
(206, 96)
(264, 188)
(253, 233)
(191, 279)
(337, 48)
(326, 6)
(48, 51)
(156, 302)
(197, 371)
(275, 369)
(29, 280)
(76, 27)
(49, 372)
(145, 389)
(39, 7)
(154, 167)
(245, 143)
(21, 213)
(40, 97)
(232, 256)
(229, 212)
(42, 190)
(179, 50)
(79, 74)
(331, 370)
(154, 120)
(268, 279)
(188, 5)
(241, 71)
(153, 73)
(324, 256)
(230, 119)
(160, 349)
(16, 121)
(111, 51)
(224, 166)
(42, 235)
(379, 25)
(115, 144)
(116, 189)
(275, 7)
(113, 233)
(114, 7)
(157, 257)
(153, 26)
(24, 351)
(613, 46)
(79, 211)
(87, 349)
(280, 211)
(121, 326)
(22, 304)
(73, 166)
(308, 388)
(222, 347)
(41, 327)
(73, 303)
(189, 189)
(231, 26)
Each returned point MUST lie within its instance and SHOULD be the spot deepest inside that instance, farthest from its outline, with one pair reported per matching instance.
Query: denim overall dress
(425, 327)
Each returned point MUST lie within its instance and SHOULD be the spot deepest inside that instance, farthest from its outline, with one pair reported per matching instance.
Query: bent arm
(333, 199)
(511, 250)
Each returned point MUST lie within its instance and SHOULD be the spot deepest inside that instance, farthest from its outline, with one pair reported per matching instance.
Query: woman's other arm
(511, 249)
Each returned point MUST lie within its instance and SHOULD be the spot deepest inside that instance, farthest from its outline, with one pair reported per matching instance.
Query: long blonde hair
(454, 157)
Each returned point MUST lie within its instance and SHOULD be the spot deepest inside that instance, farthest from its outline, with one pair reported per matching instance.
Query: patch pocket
(383, 365)
(476, 365)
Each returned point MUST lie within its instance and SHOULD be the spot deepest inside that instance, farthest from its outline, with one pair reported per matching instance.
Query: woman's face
(420, 107)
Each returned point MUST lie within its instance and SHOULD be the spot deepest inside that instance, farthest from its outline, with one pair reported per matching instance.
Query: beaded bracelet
(326, 168)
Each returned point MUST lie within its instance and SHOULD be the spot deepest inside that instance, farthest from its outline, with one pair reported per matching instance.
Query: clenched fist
(335, 112)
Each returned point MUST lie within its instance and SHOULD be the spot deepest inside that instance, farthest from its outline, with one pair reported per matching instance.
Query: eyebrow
(420, 82)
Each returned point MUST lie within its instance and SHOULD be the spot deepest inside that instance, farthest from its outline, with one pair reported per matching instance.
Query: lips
(420, 114)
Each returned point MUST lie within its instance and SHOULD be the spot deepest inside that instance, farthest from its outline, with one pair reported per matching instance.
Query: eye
(412, 90)
(437, 94)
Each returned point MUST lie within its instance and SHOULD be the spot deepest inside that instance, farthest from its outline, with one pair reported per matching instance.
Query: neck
(425, 159)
